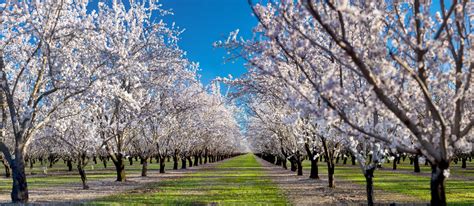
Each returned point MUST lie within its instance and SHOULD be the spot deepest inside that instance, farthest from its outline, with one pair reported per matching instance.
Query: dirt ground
(301, 190)
(74, 193)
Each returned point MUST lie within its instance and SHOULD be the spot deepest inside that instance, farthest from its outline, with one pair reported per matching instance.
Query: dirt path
(100, 188)
(301, 190)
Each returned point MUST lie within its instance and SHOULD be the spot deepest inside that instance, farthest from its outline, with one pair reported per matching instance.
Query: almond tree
(74, 132)
(46, 58)
(408, 64)
(141, 52)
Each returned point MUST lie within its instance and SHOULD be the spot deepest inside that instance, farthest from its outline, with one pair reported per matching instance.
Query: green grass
(459, 190)
(240, 180)
(59, 174)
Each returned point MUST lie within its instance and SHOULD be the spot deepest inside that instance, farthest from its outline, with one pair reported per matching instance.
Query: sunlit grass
(237, 181)
(458, 191)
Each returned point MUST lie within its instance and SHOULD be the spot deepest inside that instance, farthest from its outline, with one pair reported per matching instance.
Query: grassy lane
(240, 180)
(459, 191)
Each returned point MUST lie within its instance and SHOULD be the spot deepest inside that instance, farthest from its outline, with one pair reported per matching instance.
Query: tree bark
(331, 181)
(119, 168)
(293, 166)
(162, 164)
(394, 163)
(175, 162)
(416, 164)
(190, 161)
(183, 163)
(369, 175)
(7, 168)
(82, 173)
(464, 162)
(438, 179)
(298, 164)
(144, 166)
(196, 160)
(69, 165)
(300, 168)
(314, 169)
(278, 161)
(19, 192)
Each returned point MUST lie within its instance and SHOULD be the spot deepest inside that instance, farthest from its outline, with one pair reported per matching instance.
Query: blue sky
(207, 21)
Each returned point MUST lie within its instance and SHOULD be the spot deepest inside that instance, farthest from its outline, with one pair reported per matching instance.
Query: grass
(240, 180)
(459, 191)
(59, 174)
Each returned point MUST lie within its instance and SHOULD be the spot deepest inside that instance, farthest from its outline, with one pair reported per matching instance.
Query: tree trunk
(69, 165)
(105, 163)
(345, 160)
(144, 166)
(464, 161)
(293, 166)
(175, 162)
(190, 161)
(183, 163)
(82, 173)
(353, 160)
(283, 163)
(119, 168)
(416, 164)
(369, 175)
(162, 164)
(278, 161)
(394, 163)
(196, 159)
(7, 168)
(438, 195)
(130, 159)
(331, 182)
(200, 160)
(314, 169)
(8, 174)
(19, 192)
(299, 165)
